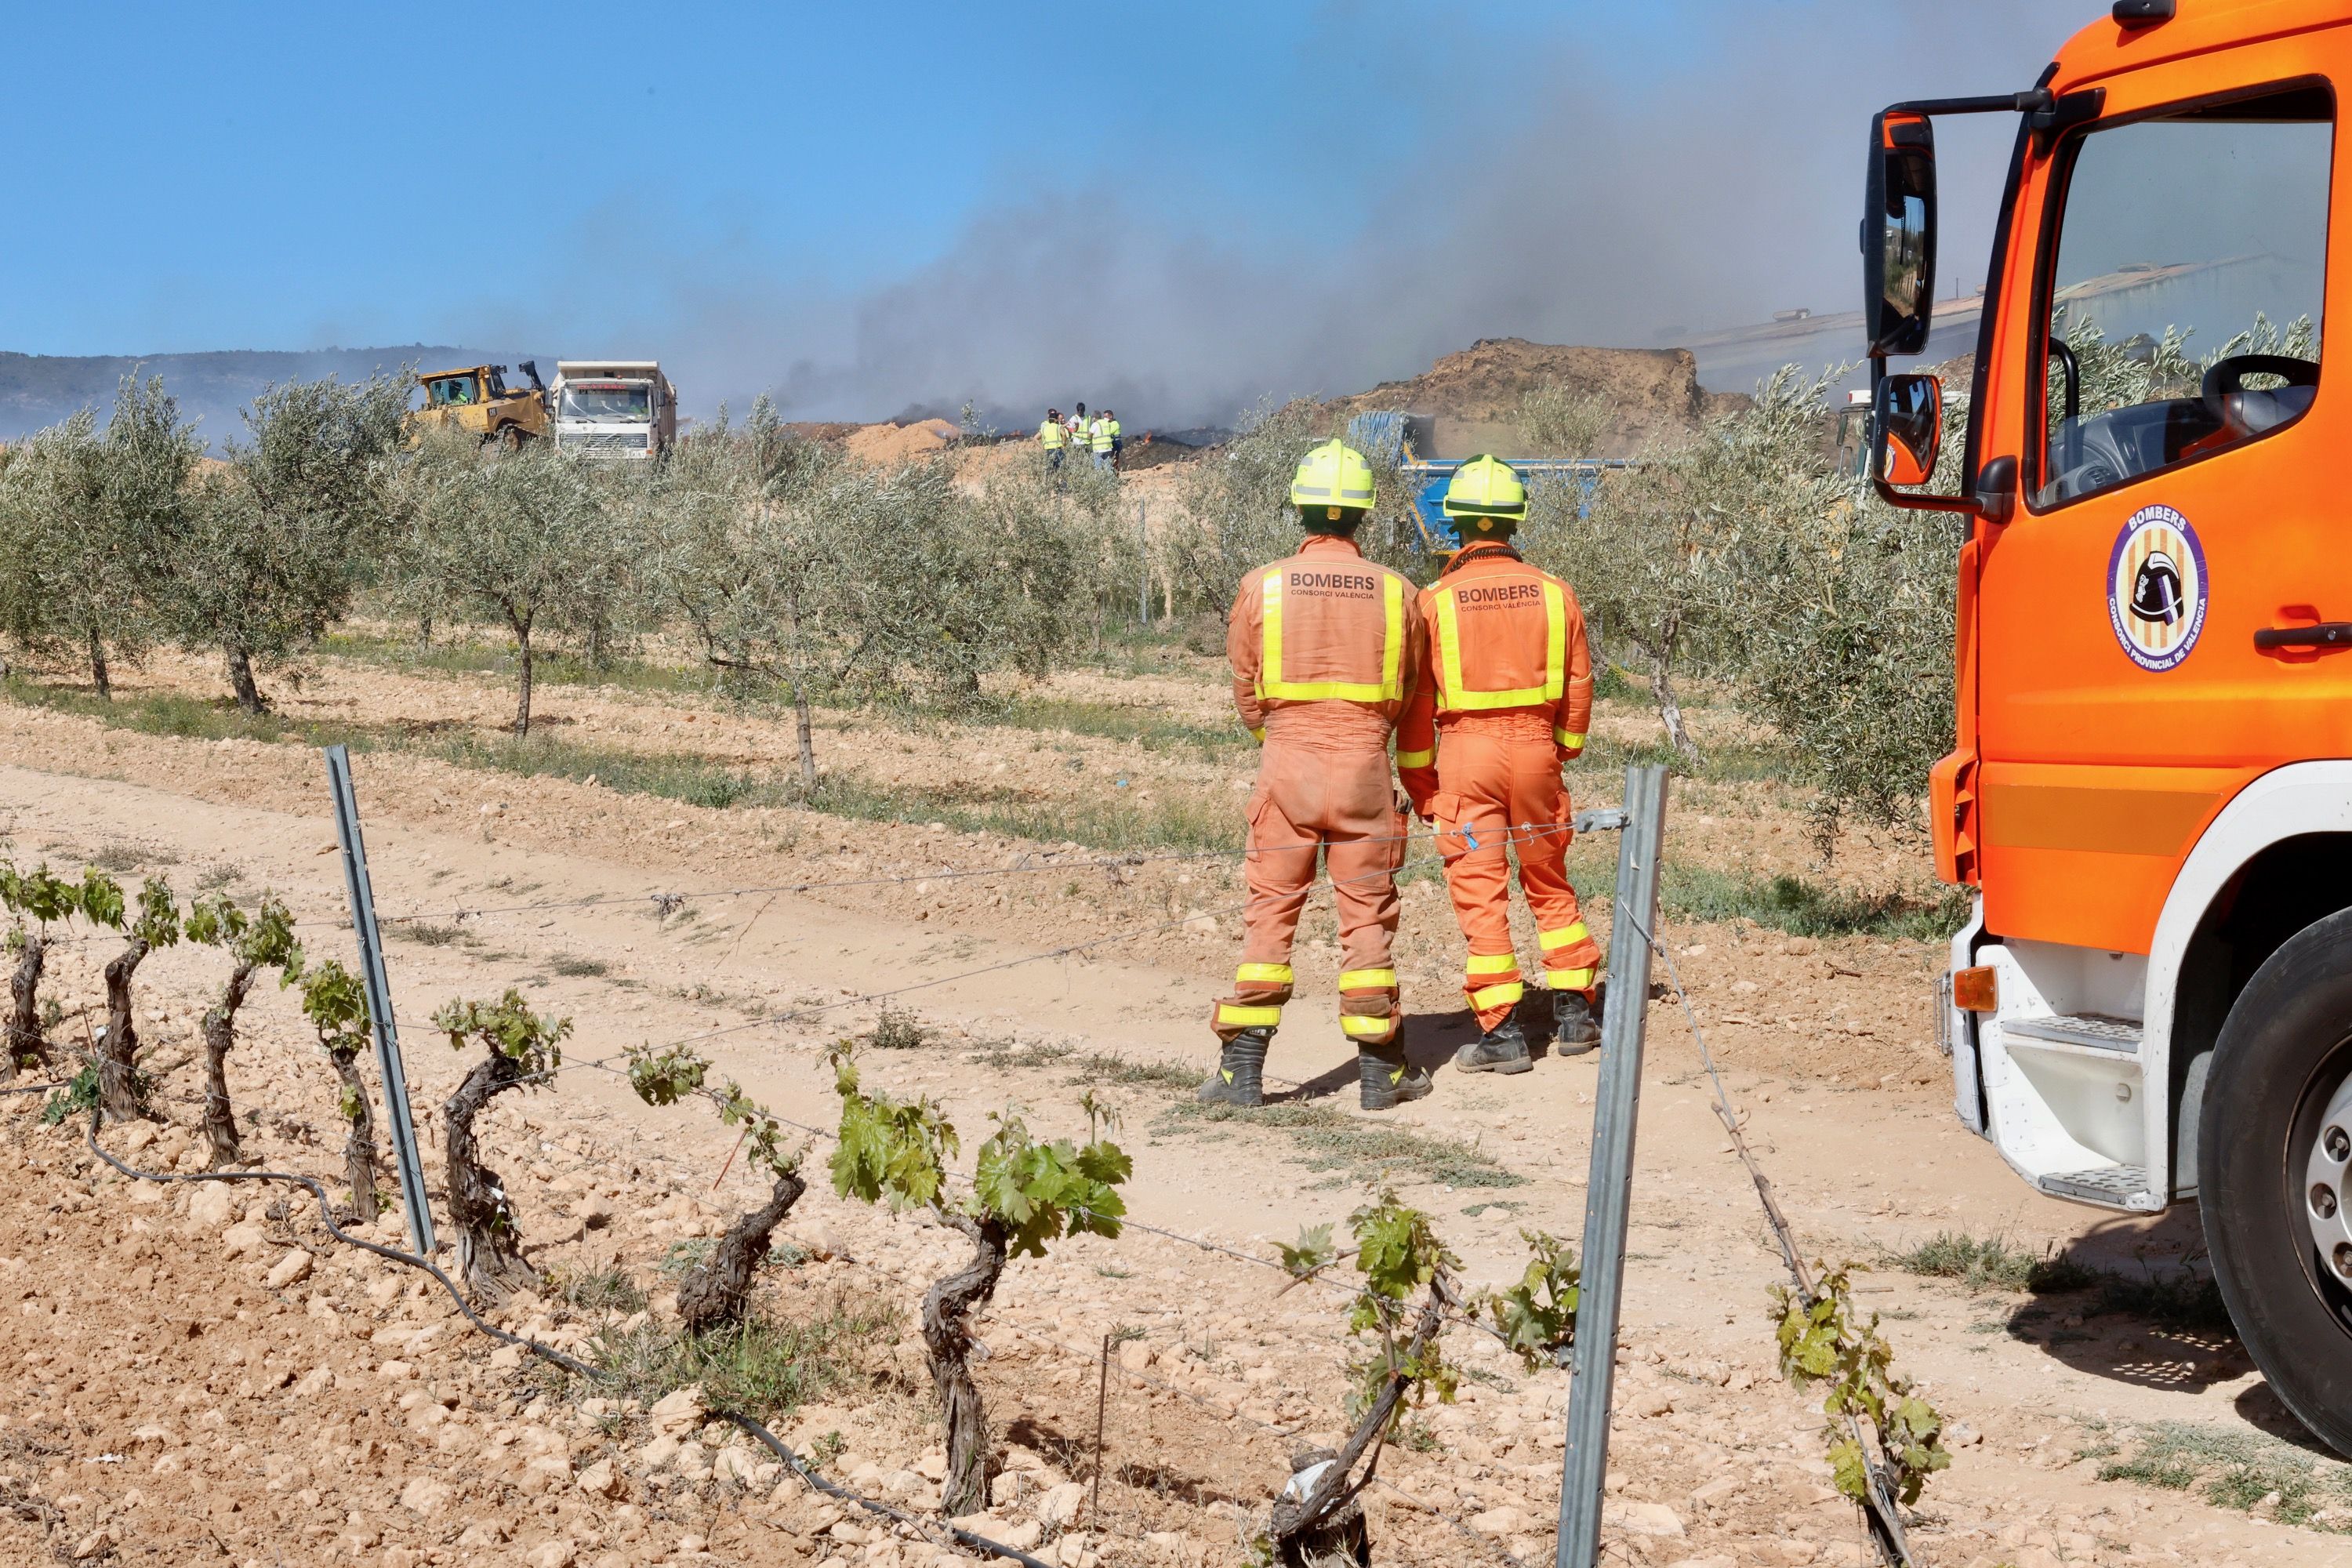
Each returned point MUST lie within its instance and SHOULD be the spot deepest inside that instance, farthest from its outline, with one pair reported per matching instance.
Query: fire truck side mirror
(1898, 234)
(1906, 427)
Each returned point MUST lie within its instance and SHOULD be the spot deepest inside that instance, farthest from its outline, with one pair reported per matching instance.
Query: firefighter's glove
(1419, 784)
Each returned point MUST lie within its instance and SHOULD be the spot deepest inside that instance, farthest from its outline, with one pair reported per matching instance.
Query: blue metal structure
(1386, 437)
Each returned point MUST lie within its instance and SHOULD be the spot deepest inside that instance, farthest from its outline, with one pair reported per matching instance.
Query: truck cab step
(2092, 1031)
(2110, 1186)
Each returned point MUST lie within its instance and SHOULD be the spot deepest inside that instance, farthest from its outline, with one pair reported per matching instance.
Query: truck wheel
(2275, 1173)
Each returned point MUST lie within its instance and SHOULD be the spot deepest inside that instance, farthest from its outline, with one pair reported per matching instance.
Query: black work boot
(1574, 1029)
(1240, 1076)
(1384, 1081)
(1503, 1048)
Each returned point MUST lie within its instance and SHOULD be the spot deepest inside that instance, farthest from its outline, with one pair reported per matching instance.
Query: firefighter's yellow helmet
(1487, 495)
(1331, 479)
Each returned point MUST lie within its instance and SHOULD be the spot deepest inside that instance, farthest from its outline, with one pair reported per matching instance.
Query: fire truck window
(2185, 296)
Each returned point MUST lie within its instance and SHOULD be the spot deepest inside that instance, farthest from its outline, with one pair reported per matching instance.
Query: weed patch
(597, 1291)
(1991, 1263)
(2178, 1299)
(1330, 1139)
(1098, 1068)
(765, 1366)
(2233, 1468)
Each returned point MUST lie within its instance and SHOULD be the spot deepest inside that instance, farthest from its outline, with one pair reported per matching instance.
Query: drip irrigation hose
(768, 1439)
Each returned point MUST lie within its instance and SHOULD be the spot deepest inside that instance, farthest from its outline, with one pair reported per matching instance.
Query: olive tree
(273, 543)
(1560, 422)
(743, 551)
(532, 540)
(86, 518)
(1661, 552)
(1238, 498)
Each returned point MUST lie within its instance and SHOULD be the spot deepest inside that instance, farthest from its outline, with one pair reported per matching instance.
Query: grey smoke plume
(1633, 199)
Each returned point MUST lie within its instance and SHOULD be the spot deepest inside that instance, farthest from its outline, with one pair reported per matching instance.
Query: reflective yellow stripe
(1417, 759)
(1248, 1017)
(1504, 996)
(1568, 738)
(1493, 963)
(1391, 687)
(1272, 973)
(1568, 979)
(1367, 980)
(1357, 1028)
(1455, 697)
(1579, 931)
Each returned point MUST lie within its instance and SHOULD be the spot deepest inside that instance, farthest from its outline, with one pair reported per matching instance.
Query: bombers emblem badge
(2156, 591)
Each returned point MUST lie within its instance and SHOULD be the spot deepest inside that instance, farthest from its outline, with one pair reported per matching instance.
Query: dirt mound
(1468, 402)
(900, 443)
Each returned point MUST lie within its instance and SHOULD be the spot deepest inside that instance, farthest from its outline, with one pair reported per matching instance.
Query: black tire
(2284, 1052)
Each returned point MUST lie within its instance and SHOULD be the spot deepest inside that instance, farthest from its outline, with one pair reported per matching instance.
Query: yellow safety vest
(1269, 678)
(1113, 429)
(1052, 433)
(1099, 432)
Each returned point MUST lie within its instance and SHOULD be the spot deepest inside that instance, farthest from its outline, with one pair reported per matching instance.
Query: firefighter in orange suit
(1325, 647)
(1505, 704)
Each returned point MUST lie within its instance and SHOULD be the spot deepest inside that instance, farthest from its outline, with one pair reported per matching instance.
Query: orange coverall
(1325, 646)
(1508, 699)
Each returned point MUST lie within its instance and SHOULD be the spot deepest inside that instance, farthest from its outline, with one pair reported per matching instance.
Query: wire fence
(666, 902)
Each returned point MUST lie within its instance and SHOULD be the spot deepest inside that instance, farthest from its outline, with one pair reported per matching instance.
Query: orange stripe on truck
(2109, 821)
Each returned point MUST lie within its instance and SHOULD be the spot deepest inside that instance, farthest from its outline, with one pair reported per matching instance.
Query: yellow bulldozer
(477, 399)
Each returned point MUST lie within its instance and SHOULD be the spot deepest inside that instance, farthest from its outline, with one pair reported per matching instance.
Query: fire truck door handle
(2326, 634)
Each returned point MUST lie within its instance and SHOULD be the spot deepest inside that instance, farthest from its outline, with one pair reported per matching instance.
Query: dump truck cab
(477, 399)
(614, 408)
(2151, 791)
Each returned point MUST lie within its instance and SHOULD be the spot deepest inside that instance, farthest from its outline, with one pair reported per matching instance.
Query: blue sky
(865, 207)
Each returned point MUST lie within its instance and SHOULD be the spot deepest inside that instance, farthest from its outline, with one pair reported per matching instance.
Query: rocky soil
(205, 1377)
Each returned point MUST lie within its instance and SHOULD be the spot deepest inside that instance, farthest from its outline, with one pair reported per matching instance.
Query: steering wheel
(2227, 377)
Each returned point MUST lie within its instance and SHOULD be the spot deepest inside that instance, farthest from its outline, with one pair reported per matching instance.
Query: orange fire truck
(2152, 785)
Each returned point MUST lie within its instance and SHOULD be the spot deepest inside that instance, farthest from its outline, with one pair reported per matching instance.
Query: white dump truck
(613, 408)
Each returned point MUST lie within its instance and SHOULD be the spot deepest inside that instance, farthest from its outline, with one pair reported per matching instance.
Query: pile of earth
(1468, 402)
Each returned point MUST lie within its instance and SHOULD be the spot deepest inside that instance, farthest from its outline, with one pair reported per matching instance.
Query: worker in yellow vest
(1117, 443)
(1054, 437)
(1098, 438)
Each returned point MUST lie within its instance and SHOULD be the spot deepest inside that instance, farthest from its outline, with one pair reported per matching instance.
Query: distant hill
(41, 389)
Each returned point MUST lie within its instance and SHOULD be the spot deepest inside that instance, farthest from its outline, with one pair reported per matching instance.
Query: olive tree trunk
(521, 625)
(118, 1053)
(716, 1292)
(359, 1142)
(489, 1250)
(241, 681)
(98, 676)
(805, 732)
(219, 1120)
(26, 1043)
(947, 1351)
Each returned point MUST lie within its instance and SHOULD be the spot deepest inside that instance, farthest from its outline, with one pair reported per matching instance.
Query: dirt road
(1715, 1462)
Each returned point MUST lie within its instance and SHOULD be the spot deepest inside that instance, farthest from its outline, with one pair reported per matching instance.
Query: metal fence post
(1592, 1365)
(379, 1000)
